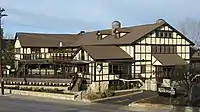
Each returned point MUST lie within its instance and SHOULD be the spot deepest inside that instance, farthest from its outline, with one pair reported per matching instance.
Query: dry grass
(182, 101)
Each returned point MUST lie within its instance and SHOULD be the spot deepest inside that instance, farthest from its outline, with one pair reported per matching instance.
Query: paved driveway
(126, 100)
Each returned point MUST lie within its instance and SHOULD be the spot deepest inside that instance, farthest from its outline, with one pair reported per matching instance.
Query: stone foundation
(40, 94)
(94, 87)
(150, 84)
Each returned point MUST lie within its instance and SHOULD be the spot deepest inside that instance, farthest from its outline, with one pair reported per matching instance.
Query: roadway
(16, 103)
(36, 104)
(126, 100)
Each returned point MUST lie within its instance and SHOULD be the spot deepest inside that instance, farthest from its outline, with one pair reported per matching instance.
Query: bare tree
(191, 29)
(184, 79)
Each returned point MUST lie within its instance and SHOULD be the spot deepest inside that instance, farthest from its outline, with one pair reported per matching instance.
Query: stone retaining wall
(41, 94)
(95, 86)
(45, 87)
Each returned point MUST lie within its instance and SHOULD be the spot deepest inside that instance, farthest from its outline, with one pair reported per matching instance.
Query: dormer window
(117, 33)
(100, 35)
(103, 36)
(122, 34)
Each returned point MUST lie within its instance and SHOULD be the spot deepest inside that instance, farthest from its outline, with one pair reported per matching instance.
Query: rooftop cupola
(160, 21)
(115, 25)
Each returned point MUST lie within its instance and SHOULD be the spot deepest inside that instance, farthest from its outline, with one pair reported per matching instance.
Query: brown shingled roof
(170, 59)
(135, 33)
(46, 40)
(196, 55)
(106, 52)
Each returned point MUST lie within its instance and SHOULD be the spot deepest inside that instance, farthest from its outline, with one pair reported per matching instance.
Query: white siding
(17, 44)
(86, 56)
(128, 49)
(155, 61)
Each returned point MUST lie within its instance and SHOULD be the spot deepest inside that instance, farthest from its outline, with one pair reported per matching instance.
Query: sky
(72, 16)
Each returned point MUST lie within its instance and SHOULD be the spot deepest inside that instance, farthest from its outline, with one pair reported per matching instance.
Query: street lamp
(1, 49)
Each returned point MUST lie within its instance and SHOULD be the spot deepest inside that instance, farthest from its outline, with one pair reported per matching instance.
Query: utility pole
(1, 49)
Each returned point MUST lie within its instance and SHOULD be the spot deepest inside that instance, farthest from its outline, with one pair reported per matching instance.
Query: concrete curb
(150, 105)
(141, 91)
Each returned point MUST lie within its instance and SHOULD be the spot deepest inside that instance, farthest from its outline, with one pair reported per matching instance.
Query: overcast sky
(71, 16)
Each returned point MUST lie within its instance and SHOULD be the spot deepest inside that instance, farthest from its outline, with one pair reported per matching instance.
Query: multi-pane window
(143, 68)
(82, 55)
(35, 50)
(163, 34)
(116, 69)
(164, 49)
(27, 56)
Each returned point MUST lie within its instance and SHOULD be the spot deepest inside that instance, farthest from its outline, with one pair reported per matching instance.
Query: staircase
(77, 85)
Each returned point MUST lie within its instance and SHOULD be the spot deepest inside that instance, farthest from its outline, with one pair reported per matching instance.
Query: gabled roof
(195, 54)
(170, 59)
(46, 40)
(135, 33)
(106, 52)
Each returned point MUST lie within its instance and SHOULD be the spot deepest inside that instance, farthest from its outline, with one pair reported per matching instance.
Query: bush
(109, 93)
(91, 96)
(112, 88)
(119, 88)
(101, 94)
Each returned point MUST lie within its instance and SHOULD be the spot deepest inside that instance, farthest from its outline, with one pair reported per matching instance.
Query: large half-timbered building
(153, 50)
(119, 55)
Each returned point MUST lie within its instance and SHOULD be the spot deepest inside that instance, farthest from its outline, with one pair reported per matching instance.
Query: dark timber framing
(158, 38)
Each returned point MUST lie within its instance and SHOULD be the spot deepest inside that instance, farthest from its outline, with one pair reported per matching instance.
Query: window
(27, 56)
(116, 69)
(157, 34)
(158, 49)
(170, 34)
(166, 34)
(167, 49)
(164, 49)
(143, 68)
(163, 34)
(35, 50)
(82, 55)
(167, 72)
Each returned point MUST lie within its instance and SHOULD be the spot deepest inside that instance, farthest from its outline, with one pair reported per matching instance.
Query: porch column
(128, 76)
(64, 70)
(39, 70)
(54, 67)
(25, 73)
(31, 70)
(46, 75)
(95, 71)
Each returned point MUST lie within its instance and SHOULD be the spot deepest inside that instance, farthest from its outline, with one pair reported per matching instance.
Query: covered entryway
(165, 66)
